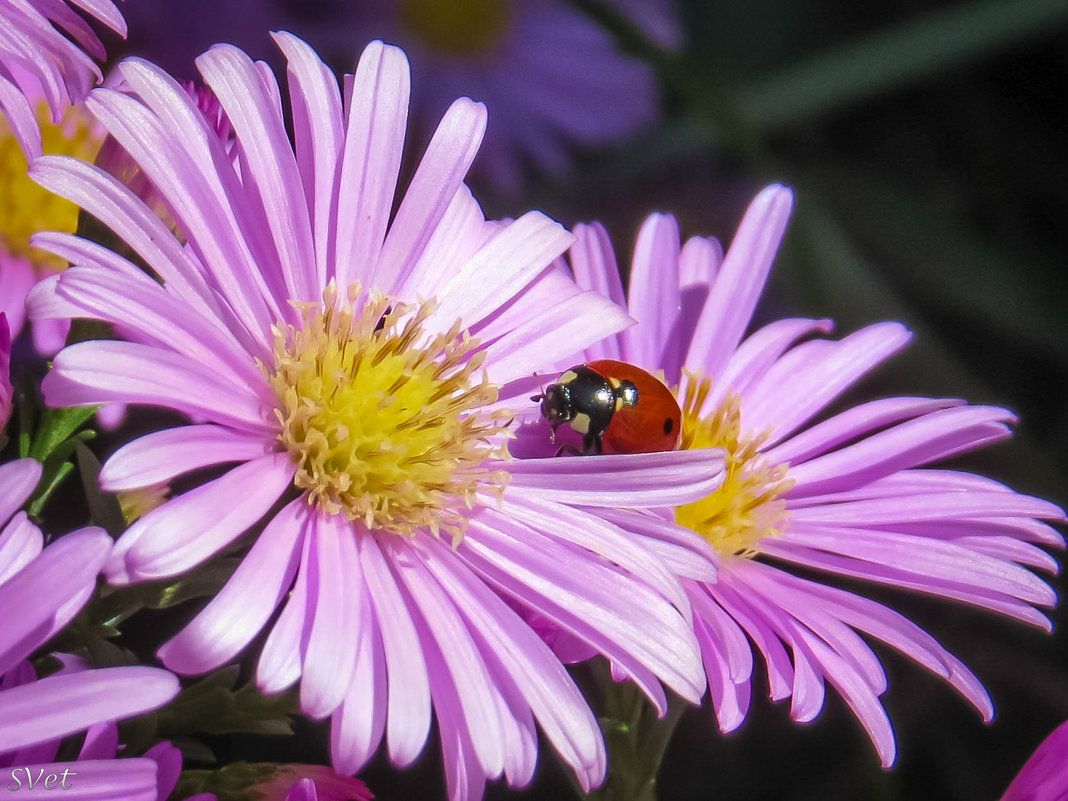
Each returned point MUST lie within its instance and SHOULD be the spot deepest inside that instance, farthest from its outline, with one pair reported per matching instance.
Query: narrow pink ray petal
(625, 480)
(559, 331)
(436, 181)
(617, 615)
(933, 559)
(105, 11)
(730, 699)
(106, 371)
(699, 261)
(534, 672)
(17, 480)
(329, 658)
(909, 444)
(103, 196)
(377, 115)
(817, 373)
(461, 662)
(501, 269)
(931, 506)
(318, 134)
(356, 728)
(852, 424)
(101, 741)
(272, 169)
(243, 606)
(859, 696)
(685, 553)
(163, 455)
(280, 661)
(654, 299)
(740, 281)
(162, 148)
(756, 354)
(409, 688)
(67, 569)
(192, 172)
(149, 314)
(589, 532)
(458, 236)
(63, 704)
(192, 527)
(896, 578)
(893, 629)
(20, 541)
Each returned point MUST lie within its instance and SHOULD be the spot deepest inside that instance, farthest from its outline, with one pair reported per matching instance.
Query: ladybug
(617, 407)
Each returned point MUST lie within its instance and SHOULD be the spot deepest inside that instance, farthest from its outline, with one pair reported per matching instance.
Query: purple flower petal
(63, 704)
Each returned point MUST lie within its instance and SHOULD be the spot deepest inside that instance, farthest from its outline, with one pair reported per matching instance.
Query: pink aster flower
(361, 368)
(41, 589)
(1044, 777)
(851, 494)
(47, 49)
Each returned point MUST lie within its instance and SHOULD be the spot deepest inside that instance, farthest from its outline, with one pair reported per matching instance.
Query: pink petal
(163, 455)
(740, 281)
(377, 114)
(192, 527)
(242, 608)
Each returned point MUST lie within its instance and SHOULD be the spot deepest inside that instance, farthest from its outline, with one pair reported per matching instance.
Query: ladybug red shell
(617, 407)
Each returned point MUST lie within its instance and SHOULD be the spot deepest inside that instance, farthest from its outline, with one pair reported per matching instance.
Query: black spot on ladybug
(669, 425)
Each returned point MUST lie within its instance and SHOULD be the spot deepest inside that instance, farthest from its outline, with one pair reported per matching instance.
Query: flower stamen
(381, 417)
(748, 506)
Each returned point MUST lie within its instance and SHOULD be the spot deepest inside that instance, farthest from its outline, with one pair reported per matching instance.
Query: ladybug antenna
(541, 395)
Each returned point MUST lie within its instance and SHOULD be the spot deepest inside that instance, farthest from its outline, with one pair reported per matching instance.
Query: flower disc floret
(747, 506)
(379, 415)
(460, 28)
(26, 207)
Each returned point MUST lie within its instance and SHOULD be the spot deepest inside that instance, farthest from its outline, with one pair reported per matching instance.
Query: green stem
(635, 736)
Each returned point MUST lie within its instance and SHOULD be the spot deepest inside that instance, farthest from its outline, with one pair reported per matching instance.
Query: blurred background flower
(555, 79)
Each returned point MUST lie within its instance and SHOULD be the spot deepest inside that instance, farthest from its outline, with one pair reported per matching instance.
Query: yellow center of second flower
(747, 507)
(382, 418)
(25, 207)
(457, 27)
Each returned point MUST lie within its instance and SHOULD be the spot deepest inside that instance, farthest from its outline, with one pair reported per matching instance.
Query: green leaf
(56, 427)
(104, 509)
(214, 706)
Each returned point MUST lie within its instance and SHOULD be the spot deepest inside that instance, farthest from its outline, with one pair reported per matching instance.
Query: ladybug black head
(556, 404)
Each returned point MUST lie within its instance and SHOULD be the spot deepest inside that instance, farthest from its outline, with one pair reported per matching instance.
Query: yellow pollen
(25, 207)
(457, 27)
(747, 507)
(382, 418)
(137, 503)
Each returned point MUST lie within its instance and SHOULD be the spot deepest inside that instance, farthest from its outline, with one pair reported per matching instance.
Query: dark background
(926, 144)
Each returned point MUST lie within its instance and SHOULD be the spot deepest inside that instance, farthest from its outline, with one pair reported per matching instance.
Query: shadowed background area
(926, 144)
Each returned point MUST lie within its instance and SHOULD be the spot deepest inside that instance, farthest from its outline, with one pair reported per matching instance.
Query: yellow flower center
(25, 207)
(457, 27)
(382, 418)
(747, 507)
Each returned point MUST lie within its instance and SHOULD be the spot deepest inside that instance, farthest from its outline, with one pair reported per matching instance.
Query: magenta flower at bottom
(41, 589)
(851, 495)
(1044, 777)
